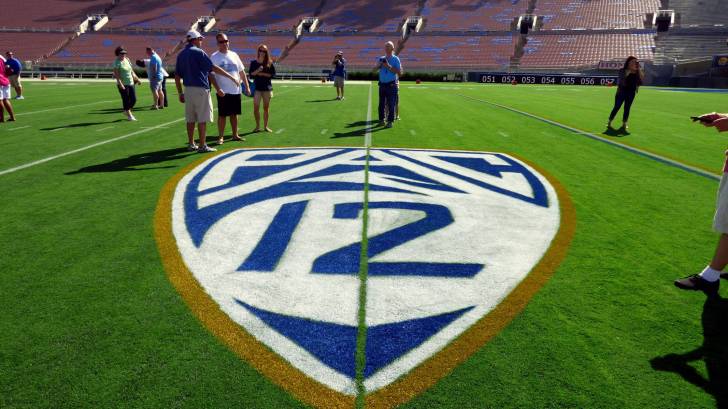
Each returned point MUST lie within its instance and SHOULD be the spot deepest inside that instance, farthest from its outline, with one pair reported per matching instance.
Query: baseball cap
(193, 34)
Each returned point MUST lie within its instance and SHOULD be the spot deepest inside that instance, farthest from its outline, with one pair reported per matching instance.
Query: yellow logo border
(314, 393)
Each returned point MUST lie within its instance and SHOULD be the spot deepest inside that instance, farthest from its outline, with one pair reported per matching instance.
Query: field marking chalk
(323, 131)
(638, 151)
(66, 107)
(503, 134)
(22, 127)
(280, 130)
(103, 129)
(458, 133)
(50, 158)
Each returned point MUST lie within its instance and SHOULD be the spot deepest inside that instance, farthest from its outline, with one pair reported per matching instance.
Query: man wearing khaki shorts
(708, 280)
(193, 68)
(15, 67)
(339, 74)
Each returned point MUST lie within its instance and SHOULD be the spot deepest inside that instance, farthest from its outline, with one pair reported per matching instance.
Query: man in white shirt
(229, 104)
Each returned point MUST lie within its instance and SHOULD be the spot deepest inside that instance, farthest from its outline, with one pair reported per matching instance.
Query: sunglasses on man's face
(223, 41)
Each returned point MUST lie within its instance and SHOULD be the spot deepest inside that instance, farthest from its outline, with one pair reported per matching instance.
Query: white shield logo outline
(461, 178)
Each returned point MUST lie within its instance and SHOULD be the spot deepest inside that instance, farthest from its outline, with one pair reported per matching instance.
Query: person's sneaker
(341, 99)
(238, 138)
(205, 149)
(388, 125)
(131, 118)
(697, 283)
(192, 147)
(20, 97)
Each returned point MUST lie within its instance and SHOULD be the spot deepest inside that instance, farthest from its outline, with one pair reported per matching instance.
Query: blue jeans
(622, 97)
(388, 94)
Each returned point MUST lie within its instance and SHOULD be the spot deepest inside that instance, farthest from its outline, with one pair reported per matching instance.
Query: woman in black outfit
(630, 79)
(262, 70)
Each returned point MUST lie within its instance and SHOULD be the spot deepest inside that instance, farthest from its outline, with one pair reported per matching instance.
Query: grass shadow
(133, 162)
(368, 126)
(81, 125)
(615, 132)
(323, 100)
(713, 352)
(107, 111)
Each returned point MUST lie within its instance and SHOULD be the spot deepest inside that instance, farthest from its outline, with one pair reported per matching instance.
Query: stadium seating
(246, 45)
(704, 13)
(674, 48)
(361, 15)
(469, 15)
(457, 51)
(158, 14)
(554, 51)
(50, 14)
(98, 48)
(594, 14)
(31, 46)
(261, 15)
(319, 51)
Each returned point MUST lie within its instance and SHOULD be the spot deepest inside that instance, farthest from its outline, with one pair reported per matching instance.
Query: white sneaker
(205, 149)
(20, 97)
(131, 118)
(191, 147)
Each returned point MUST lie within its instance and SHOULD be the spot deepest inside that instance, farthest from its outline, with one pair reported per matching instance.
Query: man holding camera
(708, 280)
(389, 68)
(339, 74)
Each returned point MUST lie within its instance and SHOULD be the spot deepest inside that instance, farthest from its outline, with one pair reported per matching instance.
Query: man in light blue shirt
(389, 68)
(156, 77)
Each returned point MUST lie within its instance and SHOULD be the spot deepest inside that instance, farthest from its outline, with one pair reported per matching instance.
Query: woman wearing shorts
(5, 93)
(262, 70)
(125, 80)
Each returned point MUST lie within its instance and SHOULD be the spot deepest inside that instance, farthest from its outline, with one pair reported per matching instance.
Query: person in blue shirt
(339, 74)
(389, 68)
(14, 68)
(156, 76)
(193, 68)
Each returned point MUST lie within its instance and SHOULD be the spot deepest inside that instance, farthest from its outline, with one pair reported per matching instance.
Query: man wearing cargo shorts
(14, 66)
(708, 280)
(194, 67)
(339, 74)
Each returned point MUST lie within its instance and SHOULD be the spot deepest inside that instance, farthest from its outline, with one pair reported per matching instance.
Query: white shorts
(720, 221)
(198, 105)
(4, 91)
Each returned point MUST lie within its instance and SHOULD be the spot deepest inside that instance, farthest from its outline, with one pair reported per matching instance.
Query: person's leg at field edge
(9, 108)
(191, 135)
(266, 108)
(256, 110)
(708, 280)
(220, 128)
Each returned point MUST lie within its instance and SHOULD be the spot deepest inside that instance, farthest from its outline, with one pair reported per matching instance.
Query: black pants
(622, 97)
(388, 94)
(128, 97)
(164, 91)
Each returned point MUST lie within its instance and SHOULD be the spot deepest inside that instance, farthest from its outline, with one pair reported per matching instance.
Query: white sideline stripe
(413, 132)
(280, 130)
(323, 131)
(22, 127)
(503, 134)
(56, 130)
(66, 107)
(103, 129)
(50, 158)
(368, 134)
(458, 133)
(649, 155)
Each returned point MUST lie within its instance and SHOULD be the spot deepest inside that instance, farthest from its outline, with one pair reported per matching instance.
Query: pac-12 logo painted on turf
(274, 237)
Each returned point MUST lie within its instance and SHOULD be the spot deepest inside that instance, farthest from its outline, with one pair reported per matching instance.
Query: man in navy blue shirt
(194, 68)
(389, 68)
(14, 68)
(339, 74)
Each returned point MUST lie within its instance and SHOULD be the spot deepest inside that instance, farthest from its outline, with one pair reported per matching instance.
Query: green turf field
(89, 318)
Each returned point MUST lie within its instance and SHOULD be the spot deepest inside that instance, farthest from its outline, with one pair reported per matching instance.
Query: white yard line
(638, 151)
(63, 107)
(368, 134)
(280, 130)
(22, 127)
(323, 131)
(503, 134)
(458, 133)
(103, 129)
(60, 155)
